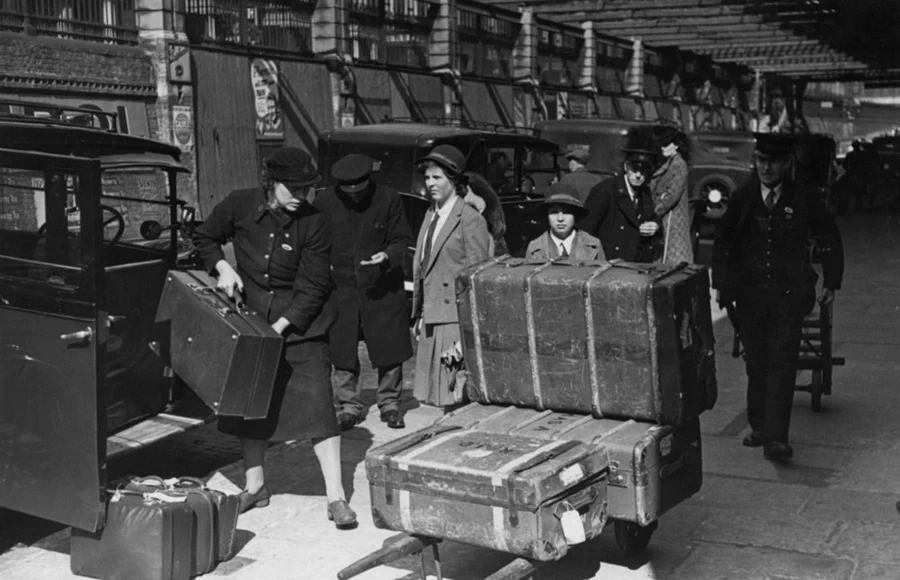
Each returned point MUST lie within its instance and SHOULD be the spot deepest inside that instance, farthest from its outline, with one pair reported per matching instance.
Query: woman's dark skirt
(302, 405)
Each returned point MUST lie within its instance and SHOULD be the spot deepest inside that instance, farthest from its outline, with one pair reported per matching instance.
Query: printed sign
(183, 127)
(264, 78)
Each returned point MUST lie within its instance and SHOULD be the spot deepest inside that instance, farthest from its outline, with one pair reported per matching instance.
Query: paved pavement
(829, 515)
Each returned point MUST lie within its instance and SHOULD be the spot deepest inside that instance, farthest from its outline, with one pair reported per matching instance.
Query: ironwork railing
(284, 25)
(486, 43)
(110, 21)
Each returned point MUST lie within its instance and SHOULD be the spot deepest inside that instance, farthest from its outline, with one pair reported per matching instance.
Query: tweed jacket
(670, 202)
(584, 247)
(462, 241)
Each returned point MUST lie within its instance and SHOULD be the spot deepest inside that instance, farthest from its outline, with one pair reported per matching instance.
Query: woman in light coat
(453, 235)
(669, 186)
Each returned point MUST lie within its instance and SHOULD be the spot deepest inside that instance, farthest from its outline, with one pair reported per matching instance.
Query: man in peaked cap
(620, 209)
(562, 239)
(761, 268)
(578, 176)
(370, 239)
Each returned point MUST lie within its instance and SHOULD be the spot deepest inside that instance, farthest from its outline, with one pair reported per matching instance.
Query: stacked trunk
(590, 379)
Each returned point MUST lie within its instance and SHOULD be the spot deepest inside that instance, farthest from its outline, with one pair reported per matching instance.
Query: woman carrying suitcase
(282, 248)
(453, 235)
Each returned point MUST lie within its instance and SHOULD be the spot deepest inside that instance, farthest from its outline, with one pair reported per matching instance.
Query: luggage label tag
(573, 527)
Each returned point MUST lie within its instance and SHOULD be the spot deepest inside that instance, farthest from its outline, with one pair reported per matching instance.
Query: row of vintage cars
(91, 222)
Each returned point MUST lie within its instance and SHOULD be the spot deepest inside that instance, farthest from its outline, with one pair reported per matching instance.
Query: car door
(53, 330)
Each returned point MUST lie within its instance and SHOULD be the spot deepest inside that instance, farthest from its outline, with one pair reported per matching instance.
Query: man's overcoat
(613, 219)
(373, 294)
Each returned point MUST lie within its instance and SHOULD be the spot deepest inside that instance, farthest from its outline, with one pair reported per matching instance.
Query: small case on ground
(227, 355)
(517, 494)
(226, 509)
(147, 536)
(652, 468)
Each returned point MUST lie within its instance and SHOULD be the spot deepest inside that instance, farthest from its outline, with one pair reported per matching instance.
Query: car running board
(149, 431)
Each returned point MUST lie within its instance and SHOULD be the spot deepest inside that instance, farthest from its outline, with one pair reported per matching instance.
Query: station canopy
(822, 40)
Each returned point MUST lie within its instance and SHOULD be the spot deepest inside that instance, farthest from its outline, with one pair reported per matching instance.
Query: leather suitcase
(508, 493)
(652, 468)
(619, 340)
(226, 508)
(215, 516)
(228, 356)
(146, 537)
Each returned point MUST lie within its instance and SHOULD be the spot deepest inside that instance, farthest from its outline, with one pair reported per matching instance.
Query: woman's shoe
(253, 500)
(340, 513)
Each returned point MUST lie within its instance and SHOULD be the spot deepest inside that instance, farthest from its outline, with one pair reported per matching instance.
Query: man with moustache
(370, 239)
(761, 265)
(620, 209)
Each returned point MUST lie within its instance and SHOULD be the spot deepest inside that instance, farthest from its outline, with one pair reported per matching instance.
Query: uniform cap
(293, 167)
(352, 172)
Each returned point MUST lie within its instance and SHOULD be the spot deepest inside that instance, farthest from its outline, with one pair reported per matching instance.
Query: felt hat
(563, 194)
(773, 145)
(640, 146)
(448, 158)
(664, 135)
(352, 172)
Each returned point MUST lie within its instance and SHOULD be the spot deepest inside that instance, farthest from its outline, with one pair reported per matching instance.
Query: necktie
(562, 251)
(770, 200)
(426, 252)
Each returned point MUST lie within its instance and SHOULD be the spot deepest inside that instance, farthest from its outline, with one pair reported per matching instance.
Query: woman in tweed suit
(670, 195)
(453, 236)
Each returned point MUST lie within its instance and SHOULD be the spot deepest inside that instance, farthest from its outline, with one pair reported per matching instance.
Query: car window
(137, 196)
(40, 226)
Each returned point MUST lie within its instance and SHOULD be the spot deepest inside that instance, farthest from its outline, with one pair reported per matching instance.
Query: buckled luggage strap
(414, 439)
(531, 463)
(593, 366)
(532, 335)
(476, 327)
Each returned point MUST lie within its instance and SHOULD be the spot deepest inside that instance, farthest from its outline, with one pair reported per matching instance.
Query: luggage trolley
(816, 354)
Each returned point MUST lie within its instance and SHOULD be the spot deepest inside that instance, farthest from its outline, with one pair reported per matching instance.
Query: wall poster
(264, 78)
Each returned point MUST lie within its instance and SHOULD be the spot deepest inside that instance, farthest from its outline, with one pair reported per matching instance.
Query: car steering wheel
(115, 217)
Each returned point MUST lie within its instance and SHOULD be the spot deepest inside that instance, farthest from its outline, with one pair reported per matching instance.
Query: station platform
(828, 515)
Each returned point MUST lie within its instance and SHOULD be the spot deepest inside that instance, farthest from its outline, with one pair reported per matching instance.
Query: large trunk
(653, 468)
(507, 493)
(228, 356)
(619, 340)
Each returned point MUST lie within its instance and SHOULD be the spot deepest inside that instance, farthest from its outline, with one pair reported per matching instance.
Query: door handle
(78, 336)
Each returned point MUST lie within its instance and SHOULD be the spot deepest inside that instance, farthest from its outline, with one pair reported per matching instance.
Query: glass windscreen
(40, 226)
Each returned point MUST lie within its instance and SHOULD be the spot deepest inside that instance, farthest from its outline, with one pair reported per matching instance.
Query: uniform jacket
(461, 242)
(798, 214)
(612, 218)
(670, 198)
(584, 247)
(283, 259)
(583, 181)
(372, 295)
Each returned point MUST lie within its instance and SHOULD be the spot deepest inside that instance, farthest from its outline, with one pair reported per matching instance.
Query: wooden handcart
(816, 354)
(414, 545)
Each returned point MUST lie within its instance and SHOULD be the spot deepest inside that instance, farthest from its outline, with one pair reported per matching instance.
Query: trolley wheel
(815, 390)
(633, 538)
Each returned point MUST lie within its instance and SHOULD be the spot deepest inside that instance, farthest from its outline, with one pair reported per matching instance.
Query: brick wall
(56, 64)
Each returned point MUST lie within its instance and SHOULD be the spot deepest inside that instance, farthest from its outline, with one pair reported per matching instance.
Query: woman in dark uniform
(282, 248)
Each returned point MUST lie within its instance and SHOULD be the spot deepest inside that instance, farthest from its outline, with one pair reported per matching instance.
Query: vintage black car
(79, 287)
(520, 183)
